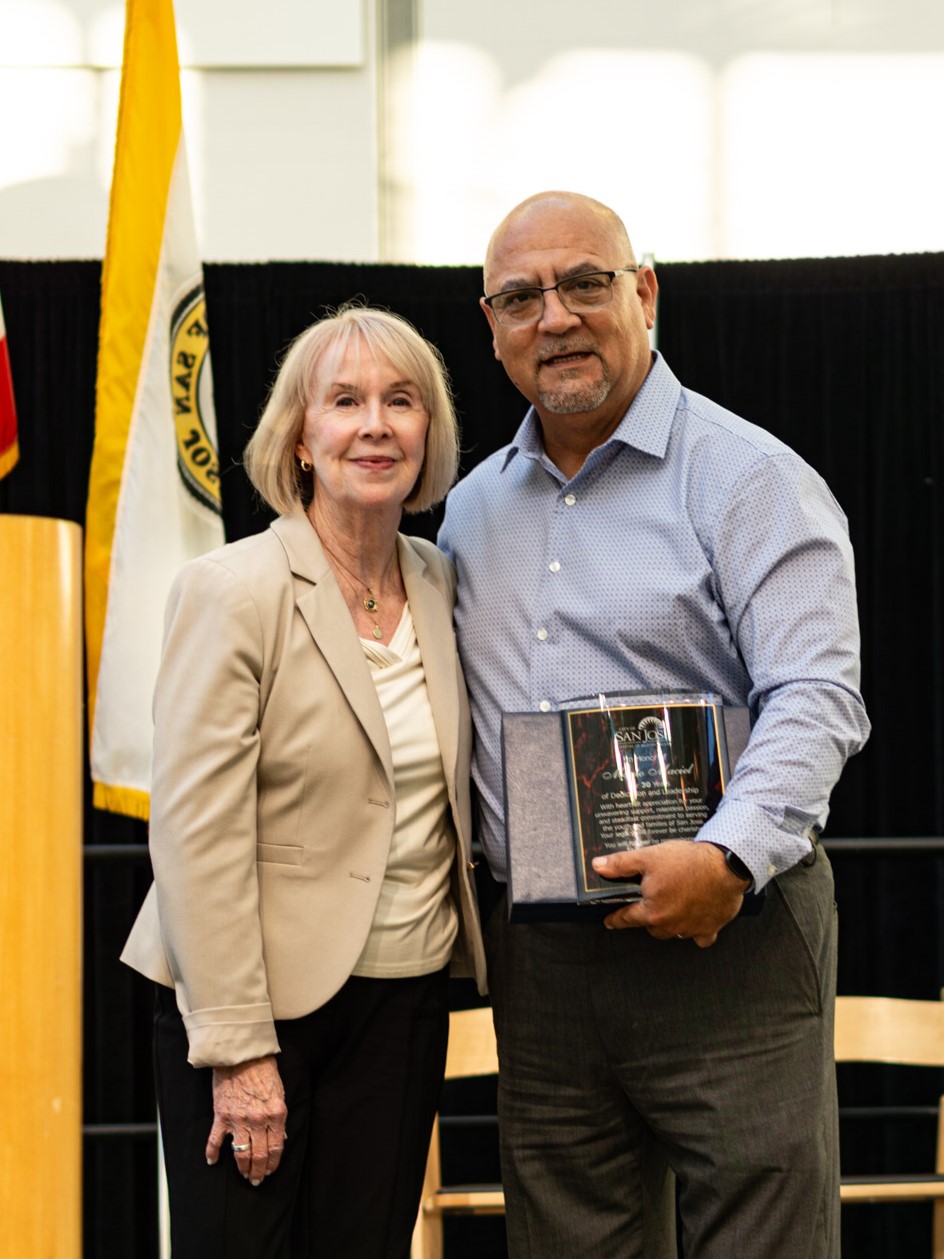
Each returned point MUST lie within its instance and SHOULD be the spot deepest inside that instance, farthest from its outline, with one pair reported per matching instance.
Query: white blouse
(415, 924)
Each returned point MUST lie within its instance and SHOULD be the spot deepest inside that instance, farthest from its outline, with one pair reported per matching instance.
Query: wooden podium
(41, 741)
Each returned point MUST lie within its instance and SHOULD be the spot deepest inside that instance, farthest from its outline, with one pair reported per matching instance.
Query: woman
(310, 821)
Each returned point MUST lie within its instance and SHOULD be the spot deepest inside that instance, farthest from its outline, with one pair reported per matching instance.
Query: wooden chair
(911, 1033)
(472, 1052)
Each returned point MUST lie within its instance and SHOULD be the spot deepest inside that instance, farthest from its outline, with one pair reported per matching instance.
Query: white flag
(154, 488)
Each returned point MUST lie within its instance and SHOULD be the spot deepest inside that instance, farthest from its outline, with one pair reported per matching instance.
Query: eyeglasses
(578, 294)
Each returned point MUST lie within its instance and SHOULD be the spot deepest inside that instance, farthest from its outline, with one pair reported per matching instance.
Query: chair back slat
(891, 1030)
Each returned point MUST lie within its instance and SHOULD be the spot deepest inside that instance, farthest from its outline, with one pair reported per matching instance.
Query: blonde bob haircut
(269, 457)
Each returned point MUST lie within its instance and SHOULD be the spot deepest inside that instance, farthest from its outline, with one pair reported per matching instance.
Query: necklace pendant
(378, 632)
(370, 604)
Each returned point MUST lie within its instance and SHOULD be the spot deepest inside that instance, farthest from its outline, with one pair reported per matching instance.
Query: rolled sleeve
(226, 1037)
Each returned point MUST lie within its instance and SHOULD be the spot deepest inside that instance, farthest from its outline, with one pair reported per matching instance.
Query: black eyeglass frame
(555, 288)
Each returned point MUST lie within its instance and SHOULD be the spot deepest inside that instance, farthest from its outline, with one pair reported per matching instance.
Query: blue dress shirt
(692, 551)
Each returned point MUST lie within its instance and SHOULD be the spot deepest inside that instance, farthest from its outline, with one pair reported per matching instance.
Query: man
(636, 536)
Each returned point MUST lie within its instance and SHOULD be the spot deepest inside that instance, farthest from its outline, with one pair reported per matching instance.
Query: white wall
(283, 157)
(718, 128)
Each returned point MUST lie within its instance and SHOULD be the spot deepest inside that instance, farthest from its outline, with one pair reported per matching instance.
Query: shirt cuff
(765, 848)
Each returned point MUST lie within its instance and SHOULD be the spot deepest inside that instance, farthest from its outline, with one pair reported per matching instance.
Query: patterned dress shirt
(692, 551)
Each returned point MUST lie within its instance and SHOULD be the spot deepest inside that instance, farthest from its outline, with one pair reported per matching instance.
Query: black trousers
(362, 1078)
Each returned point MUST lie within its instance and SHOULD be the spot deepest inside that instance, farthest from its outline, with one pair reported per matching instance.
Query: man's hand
(687, 890)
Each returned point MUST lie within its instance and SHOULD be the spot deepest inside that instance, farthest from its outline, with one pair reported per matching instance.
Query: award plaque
(640, 773)
(560, 810)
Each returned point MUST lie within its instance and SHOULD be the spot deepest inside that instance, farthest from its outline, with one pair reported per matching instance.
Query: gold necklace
(369, 604)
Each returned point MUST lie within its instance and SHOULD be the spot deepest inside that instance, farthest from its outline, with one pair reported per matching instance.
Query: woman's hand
(249, 1103)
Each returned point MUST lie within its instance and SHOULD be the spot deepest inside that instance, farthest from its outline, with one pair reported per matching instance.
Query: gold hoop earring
(304, 465)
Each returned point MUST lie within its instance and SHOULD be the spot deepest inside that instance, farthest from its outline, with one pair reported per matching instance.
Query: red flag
(9, 450)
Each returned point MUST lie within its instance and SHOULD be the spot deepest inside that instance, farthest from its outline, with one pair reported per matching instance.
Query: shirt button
(545, 705)
(570, 499)
(771, 871)
(554, 566)
(542, 634)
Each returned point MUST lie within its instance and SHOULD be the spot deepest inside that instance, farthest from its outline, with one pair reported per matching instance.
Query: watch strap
(734, 863)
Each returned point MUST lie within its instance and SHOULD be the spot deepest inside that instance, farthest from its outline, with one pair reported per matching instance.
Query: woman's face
(364, 432)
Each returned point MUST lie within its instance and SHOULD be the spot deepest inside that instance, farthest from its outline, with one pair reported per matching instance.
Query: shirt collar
(645, 426)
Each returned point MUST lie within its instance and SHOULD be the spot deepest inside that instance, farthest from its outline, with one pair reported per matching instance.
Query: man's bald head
(532, 215)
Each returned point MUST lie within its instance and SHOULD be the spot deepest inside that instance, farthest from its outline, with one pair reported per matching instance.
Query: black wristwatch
(734, 863)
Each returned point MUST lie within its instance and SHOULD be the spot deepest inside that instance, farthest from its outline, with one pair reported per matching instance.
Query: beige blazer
(272, 800)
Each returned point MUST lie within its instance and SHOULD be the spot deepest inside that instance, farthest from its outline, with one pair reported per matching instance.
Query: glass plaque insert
(641, 770)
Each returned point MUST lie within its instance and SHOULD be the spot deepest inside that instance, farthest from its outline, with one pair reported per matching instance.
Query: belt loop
(813, 834)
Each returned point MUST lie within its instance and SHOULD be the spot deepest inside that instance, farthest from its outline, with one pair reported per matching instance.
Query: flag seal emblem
(197, 458)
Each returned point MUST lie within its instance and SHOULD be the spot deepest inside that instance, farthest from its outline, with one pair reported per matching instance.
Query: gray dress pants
(625, 1061)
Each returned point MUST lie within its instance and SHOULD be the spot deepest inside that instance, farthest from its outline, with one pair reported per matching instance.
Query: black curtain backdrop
(839, 357)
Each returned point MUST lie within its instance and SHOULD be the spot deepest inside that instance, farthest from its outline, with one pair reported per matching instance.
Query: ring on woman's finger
(241, 1149)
